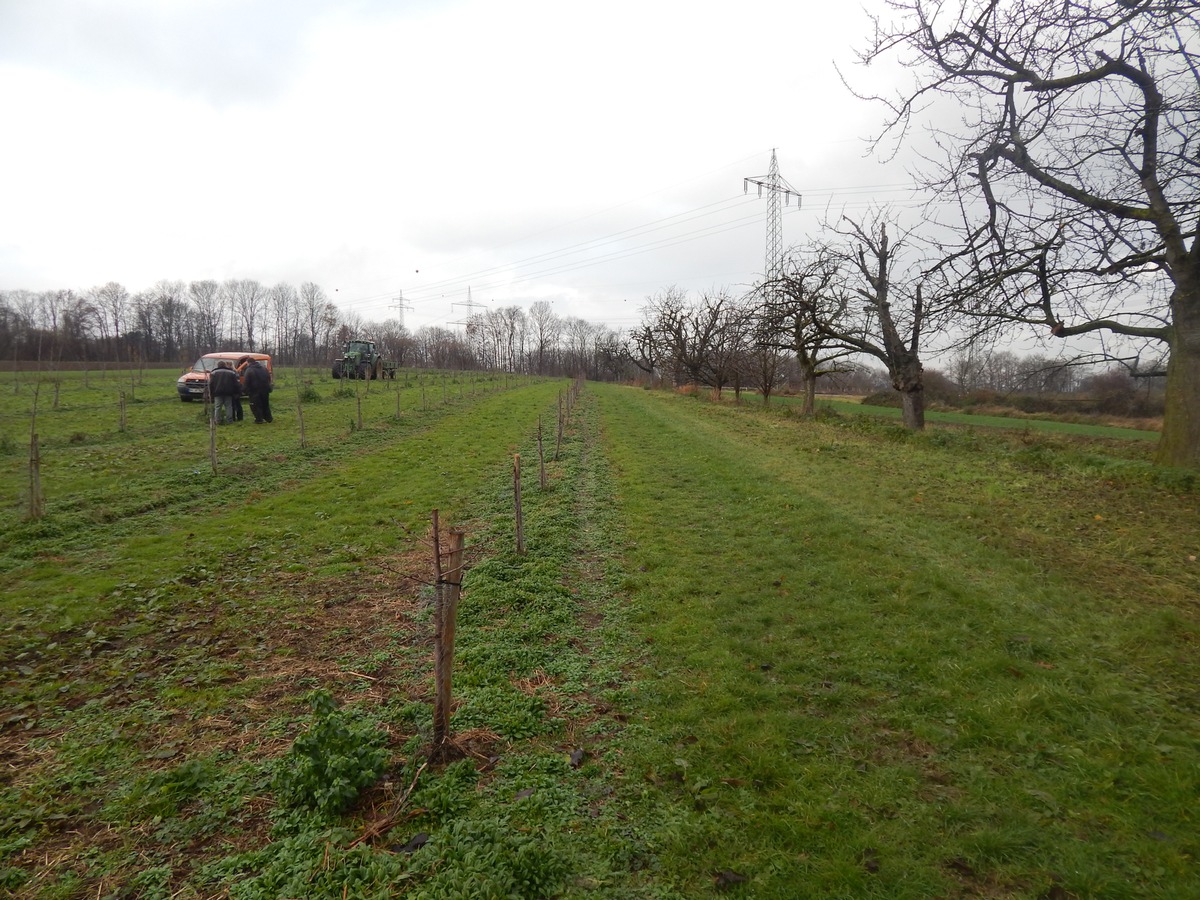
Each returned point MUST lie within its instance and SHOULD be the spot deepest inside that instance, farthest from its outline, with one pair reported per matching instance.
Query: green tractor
(360, 359)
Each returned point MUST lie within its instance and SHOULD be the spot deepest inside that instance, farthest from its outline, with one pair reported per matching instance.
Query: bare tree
(170, 316)
(209, 311)
(725, 324)
(801, 313)
(580, 340)
(880, 309)
(248, 302)
(515, 327)
(650, 346)
(284, 305)
(319, 319)
(545, 328)
(1073, 158)
(111, 301)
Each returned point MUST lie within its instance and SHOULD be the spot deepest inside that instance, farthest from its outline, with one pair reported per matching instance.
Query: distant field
(851, 407)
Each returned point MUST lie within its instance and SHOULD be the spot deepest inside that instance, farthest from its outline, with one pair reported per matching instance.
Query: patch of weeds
(162, 794)
(490, 858)
(12, 878)
(508, 712)
(148, 884)
(309, 394)
(451, 793)
(1178, 480)
(311, 863)
(332, 762)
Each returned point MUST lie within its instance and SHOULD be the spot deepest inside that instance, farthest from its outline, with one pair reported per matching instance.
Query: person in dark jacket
(223, 387)
(256, 384)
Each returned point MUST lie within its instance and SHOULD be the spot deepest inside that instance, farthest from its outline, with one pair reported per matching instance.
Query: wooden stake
(36, 505)
(541, 457)
(122, 404)
(212, 443)
(448, 588)
(517, 503)
(558, 440)
(300, 419)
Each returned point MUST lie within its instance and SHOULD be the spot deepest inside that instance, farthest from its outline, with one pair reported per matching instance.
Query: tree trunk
(808, 385)
(1180, 441)
(907, 378)
(913, 405)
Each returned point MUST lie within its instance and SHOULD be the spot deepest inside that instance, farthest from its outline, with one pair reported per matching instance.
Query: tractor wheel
(364, 372)
(337, 371)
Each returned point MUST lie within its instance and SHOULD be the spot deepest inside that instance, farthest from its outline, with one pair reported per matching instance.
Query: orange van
(194, 382)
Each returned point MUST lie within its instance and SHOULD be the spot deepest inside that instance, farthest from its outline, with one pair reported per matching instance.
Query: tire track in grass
(854, 695)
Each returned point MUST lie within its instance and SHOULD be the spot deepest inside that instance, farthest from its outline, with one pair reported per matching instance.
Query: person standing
(238, 412)
(223, 386)
(257, 382)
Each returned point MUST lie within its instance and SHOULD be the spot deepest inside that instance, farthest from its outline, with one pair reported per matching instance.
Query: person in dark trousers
(256, 382)
(223, 386)
(238, 412)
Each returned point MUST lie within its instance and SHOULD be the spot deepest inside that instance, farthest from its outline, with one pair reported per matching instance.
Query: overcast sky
(587, 154)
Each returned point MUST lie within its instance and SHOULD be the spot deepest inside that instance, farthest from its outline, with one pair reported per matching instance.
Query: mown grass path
(887, 667)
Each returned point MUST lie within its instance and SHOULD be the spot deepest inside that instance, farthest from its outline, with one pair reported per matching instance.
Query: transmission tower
(400, 306)
(470, 305)
(775, 186)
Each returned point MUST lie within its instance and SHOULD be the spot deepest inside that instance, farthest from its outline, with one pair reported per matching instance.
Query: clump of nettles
(339, 756)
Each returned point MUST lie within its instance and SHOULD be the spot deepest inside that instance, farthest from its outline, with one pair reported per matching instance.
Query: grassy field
(746, 654)
(974, 420)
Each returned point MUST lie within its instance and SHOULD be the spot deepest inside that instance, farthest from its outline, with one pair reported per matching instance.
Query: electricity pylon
(470, 306)
(400, 306)
(775, 186)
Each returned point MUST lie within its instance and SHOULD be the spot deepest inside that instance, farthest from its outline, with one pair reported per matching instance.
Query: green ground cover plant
(744, 655)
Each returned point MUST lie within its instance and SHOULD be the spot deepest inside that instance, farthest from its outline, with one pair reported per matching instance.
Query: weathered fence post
(541, 458)
(520, 518)
(212, 443)
(558, 440)
(300, 418)
(36, 505)
(448, 588)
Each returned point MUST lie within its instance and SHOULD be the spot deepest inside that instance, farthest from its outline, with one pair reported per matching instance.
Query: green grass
(1010, 422)
(745, 654)
(886, 667)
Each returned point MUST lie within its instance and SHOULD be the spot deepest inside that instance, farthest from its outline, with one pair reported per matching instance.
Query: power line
(547, 260)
